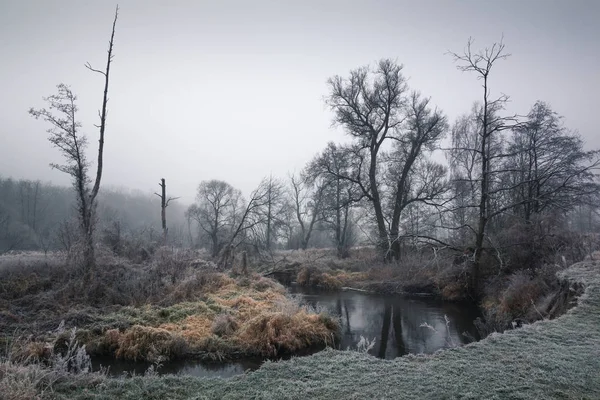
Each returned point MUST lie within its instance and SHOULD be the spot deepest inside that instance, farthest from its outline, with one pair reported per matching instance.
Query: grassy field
(550, 359)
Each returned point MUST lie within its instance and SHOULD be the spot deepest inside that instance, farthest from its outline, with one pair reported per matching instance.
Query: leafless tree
(549, 168)
(275, 209)
(374, 107)
(249, 217)
(29, 195)
(216, 211)
(308, 197)
(66, 234)
(416, 179)
(370, 104)
(65, 135)
(11, 236)
(489, 125)
(340, 194)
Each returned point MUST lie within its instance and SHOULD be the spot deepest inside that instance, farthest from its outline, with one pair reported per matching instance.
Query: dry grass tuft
(195, 286)
(194, 329)
(224, 325)
(328, 281)
(313, 277)
(149, 344)
(279, 333)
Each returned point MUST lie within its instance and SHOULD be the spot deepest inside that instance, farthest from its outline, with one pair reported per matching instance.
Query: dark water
(395, 322)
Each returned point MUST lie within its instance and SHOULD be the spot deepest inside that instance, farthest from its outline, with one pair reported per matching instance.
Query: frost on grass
(549, 359)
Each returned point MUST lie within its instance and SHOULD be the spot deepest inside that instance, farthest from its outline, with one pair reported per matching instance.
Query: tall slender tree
(488, 128)
(65, 135)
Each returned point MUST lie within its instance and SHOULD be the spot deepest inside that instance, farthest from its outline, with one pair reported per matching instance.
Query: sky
(234, 90)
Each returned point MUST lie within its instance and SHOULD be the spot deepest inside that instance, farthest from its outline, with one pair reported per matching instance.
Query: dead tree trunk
(164, 203)
(88, 219)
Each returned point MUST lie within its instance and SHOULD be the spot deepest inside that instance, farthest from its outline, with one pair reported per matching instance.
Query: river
(398, 325)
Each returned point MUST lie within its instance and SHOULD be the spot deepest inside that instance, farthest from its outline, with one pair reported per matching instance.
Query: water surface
(398, 325)
(396, 322)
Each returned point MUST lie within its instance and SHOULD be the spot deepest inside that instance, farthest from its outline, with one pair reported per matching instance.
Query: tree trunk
(163, 208)
(381, 229)
(483, 203)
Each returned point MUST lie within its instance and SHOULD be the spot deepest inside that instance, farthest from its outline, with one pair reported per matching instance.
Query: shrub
(261, 284)
(521, 292)
(329, 282)
(303, 278)
(454, 291)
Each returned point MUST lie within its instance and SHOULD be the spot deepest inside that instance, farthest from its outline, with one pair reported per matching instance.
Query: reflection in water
(393, 321)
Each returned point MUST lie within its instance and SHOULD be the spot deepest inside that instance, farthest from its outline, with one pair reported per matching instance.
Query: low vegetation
(175, 307)
(547, 359)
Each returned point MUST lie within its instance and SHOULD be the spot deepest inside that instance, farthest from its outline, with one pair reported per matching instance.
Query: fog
(234, 90)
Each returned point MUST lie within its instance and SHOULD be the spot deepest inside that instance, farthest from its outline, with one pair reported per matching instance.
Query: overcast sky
(233, 90)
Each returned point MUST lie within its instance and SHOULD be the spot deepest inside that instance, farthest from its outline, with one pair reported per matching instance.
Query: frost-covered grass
(556, 359)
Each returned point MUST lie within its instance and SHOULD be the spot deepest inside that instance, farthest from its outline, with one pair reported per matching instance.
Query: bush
(329, 282)
(303, 277)
(520, 294)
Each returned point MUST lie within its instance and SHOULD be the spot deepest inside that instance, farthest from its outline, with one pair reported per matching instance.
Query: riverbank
(167, 309)
(549, 359)
(508, 295)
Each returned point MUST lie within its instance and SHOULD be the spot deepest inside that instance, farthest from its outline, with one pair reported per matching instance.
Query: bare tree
(374, 108)
(415, 178)
(164, 203)
(275, 210)
(490, 124)
(29, 196)
(216, 211)
(549, 168)
(339, 194)
(369, 104)
(248, 219)
(66, 234)
(65, 135)
(308, 197)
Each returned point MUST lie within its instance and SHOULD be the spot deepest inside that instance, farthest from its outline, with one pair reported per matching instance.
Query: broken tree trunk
(164, 203)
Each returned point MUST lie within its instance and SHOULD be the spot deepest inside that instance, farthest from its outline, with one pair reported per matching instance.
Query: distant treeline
(41, 216)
